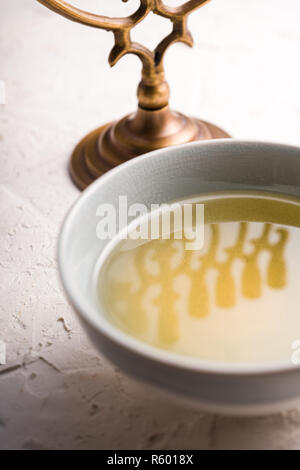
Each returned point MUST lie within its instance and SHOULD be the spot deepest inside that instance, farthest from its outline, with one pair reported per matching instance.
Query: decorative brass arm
(98, 21)
(154, 125)
(121, 27)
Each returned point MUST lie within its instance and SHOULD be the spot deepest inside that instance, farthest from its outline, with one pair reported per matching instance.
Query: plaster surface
(56, 391)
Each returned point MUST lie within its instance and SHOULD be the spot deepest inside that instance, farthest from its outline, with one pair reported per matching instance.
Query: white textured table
(56, 391)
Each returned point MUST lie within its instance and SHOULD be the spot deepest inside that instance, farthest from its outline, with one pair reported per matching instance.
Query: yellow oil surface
(235, 300)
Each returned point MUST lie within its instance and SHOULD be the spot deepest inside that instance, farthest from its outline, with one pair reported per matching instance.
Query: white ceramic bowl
(164, 176)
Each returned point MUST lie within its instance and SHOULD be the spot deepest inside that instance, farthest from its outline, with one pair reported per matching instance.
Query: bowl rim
(124, 340)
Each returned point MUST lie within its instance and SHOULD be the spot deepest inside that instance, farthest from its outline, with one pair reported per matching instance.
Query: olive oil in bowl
(237, 299)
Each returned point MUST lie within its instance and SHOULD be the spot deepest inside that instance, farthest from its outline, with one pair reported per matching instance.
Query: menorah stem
(153, 90)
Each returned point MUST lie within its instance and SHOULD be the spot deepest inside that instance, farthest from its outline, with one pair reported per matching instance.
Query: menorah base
(136, 134)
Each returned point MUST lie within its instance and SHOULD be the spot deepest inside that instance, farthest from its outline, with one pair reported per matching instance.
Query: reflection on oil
(165, 295)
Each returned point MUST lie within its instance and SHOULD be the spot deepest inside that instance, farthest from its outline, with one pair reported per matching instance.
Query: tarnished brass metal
(153, 125)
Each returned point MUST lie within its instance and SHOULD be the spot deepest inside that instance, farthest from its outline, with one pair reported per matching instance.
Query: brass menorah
(225, 289)
(153, 125)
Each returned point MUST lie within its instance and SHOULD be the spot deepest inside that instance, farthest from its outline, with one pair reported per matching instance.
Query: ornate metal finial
(143, 131)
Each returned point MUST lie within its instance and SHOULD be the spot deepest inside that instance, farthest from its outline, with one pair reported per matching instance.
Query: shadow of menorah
(157, 284)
